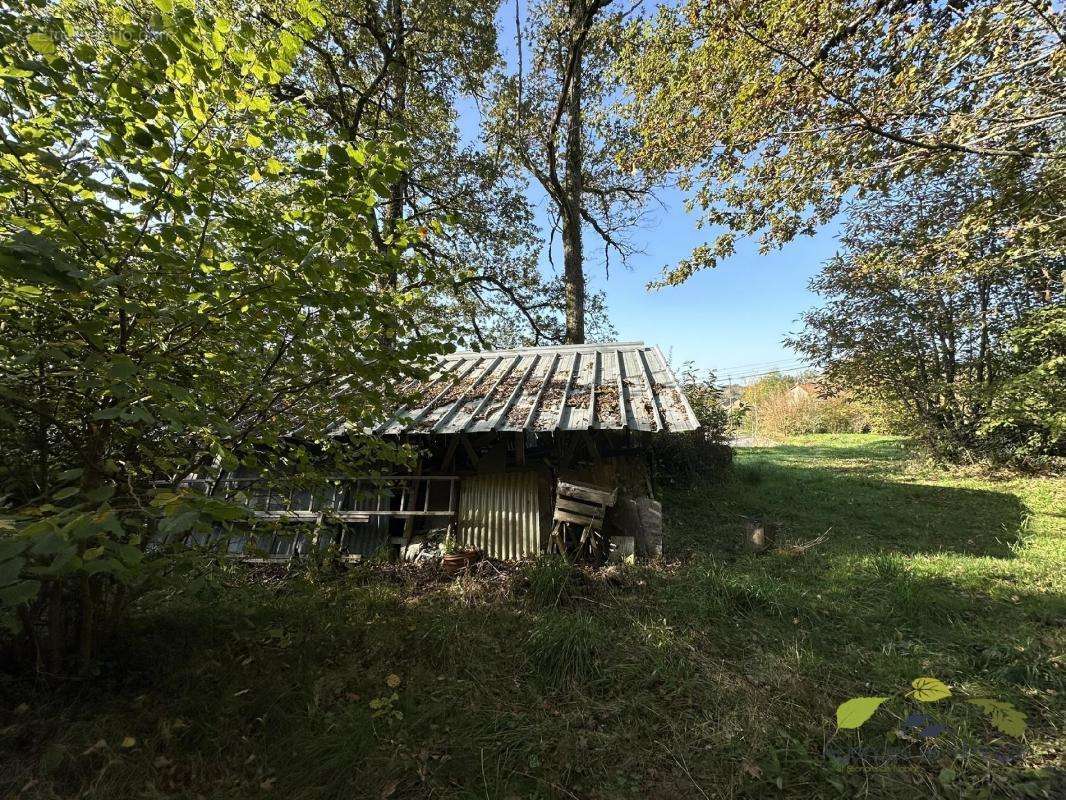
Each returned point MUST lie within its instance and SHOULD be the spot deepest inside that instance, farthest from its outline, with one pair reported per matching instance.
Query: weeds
(548, 580)
(552, 683)
(567, 650)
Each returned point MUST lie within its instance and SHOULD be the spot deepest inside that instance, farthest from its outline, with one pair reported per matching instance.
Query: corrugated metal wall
(500, 514)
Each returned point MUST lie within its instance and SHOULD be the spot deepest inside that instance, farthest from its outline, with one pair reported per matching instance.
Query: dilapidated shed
(496, 433)
(508, 425)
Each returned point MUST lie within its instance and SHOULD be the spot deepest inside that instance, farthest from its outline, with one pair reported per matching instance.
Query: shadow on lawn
(866, 512)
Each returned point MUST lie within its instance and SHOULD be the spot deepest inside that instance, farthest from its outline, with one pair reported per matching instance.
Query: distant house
(802, 392)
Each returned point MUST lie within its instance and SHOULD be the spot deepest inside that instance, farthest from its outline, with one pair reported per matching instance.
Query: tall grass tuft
(548, 580)
(567, 650)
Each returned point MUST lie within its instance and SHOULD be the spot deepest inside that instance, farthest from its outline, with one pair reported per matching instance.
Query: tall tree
(922, 303)
(556, 122)
(777, 112)
(378, 66)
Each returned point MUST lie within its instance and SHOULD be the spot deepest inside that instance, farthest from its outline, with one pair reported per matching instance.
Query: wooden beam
(520, 448)
(590, 445)
(471, 453)
(449, 454)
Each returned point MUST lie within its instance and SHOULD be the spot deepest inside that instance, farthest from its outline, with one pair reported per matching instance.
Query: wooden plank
(548, 376)
(516, 392)
(352, 516)
(592, 493)
(411, 497)
(578, 507)
(577, 519)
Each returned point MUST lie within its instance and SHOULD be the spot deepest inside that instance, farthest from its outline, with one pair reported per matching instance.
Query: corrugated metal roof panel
(572, 387)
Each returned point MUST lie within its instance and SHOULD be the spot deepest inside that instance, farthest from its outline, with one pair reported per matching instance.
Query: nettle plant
(853, 713)
(190, 270)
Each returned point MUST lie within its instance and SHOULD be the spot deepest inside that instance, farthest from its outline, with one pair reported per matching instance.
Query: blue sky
(730, 319)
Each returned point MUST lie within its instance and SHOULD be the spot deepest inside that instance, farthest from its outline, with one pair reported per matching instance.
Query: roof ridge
(547, 348)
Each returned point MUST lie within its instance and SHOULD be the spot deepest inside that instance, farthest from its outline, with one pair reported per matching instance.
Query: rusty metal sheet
(612, 386)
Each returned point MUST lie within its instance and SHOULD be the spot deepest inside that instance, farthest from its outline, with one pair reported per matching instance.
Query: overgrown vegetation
(937, 129)
(714, 671)
(779, 405)
(185, 271)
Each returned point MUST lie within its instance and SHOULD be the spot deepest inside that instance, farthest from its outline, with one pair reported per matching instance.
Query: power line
(726, 379)
(761, 364)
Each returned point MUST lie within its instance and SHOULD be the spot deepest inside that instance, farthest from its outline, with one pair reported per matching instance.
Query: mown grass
(713, 674)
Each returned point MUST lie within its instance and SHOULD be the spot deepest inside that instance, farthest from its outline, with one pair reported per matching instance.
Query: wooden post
(520, 448)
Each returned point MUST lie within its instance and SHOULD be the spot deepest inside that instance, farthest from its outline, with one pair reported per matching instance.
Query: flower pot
(454, 563)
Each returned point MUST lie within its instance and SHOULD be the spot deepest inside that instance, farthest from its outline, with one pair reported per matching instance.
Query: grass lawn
(713, 674)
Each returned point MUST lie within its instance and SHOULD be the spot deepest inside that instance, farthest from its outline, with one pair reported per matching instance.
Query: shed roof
(610, 386)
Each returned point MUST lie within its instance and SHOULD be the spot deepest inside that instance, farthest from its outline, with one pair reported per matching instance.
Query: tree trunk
(573, 267)
(394, 207)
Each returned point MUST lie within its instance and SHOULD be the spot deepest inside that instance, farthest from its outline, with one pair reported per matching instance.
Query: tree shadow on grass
(864, 512)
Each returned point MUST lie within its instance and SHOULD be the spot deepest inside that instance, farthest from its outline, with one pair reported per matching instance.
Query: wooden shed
(496, 432)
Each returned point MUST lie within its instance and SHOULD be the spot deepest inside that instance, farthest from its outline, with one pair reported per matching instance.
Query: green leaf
(10, 569)
(928, 690)
(65, 492)
(166, 6)
(42, 43)
(18, 593)
(854, 712)
(9, 548)
(15, 72)
(1003, 716)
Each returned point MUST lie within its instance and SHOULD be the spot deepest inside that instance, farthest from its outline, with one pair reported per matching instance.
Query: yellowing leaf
(854, 712)
(928, 690)
(1003, 716)
(253, 140)
(42, 43)
(393, 680)
(128, 742)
